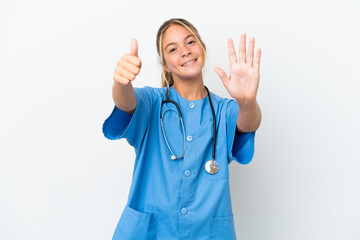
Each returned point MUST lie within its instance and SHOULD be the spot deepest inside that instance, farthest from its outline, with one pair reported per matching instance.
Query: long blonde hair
(166, 77)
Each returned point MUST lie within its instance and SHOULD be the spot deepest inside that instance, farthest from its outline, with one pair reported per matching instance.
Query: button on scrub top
(177, 199)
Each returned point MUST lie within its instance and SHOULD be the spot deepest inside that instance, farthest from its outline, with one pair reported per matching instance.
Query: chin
(191, 73)
(189, 76)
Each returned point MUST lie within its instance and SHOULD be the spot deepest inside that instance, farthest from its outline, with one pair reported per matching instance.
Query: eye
(191, 42)
(172, 50)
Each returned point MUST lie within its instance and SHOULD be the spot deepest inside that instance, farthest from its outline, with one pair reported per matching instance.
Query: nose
(185, 52)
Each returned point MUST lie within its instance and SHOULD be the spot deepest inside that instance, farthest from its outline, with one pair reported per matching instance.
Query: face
(182, 52)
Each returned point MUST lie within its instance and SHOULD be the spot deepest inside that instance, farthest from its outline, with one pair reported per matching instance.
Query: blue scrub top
(177, 199)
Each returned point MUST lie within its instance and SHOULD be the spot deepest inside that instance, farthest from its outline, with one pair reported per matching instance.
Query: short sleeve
(131, 127)
(240, 145)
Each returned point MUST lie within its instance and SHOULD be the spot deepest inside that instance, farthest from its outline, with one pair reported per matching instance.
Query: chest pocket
(221, 157)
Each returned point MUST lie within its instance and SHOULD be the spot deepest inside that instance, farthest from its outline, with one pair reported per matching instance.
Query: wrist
(246, 104)
(122, 84)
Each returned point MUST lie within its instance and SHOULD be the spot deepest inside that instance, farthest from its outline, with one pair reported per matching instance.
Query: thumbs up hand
(128, 67)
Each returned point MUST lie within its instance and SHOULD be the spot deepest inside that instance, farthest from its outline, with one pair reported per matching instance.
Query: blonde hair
(166, 77)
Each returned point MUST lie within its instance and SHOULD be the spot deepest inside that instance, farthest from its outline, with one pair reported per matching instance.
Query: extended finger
(222, 75)
(250, 53)
(257, 59)
(232, 53)
(242, 48)
(134, 47)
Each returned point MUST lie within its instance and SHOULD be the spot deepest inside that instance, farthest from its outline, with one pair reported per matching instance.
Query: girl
(184, 137)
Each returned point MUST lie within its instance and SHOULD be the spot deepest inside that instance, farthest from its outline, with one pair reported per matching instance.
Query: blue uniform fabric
(177, 199)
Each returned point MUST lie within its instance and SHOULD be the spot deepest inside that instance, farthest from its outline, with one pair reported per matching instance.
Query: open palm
(243, 82)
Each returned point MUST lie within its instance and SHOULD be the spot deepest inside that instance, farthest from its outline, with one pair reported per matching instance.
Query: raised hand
(243, 82)
(128, 67)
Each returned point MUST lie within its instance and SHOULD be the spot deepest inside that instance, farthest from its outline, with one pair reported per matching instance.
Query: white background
(60, 178)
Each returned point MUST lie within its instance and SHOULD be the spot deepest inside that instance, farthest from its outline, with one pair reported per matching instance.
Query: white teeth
(188, 63)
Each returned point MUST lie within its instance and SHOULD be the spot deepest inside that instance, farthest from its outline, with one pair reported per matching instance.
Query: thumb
(222, 75)
(134, 47)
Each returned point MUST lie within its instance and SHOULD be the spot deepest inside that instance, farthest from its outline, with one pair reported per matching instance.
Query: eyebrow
(190, 35)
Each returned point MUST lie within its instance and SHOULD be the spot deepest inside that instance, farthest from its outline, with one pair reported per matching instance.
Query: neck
(190, 89)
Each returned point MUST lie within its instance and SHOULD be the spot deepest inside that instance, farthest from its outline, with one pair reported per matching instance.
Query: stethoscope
(211, 166)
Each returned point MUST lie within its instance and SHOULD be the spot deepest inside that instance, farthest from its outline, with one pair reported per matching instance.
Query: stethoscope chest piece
(212, 166)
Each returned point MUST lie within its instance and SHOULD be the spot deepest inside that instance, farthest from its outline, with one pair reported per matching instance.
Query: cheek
(201, 52)
(171, 62)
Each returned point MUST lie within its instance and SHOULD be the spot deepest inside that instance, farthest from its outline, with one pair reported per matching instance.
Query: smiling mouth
(188, 63)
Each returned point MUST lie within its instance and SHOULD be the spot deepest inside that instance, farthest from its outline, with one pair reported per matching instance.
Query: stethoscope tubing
(168, 100)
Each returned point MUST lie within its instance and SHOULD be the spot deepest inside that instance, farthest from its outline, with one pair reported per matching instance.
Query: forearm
(249, 117)
(124, 97)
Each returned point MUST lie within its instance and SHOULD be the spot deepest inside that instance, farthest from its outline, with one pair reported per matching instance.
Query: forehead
(175, 33)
